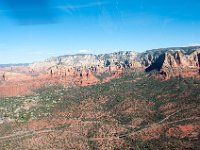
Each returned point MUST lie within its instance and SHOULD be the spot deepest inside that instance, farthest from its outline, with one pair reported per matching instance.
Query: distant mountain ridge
(143, 59)
(91, 69)
(17, 64)
(169, 61)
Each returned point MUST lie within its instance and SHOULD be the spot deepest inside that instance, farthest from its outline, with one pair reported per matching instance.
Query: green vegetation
(51, 98)
(102, 75)
(136, 98)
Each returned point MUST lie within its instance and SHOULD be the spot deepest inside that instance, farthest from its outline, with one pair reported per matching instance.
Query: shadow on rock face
(157, 65)
(199, 61)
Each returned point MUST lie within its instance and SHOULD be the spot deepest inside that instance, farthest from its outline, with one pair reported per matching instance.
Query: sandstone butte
(83, 70)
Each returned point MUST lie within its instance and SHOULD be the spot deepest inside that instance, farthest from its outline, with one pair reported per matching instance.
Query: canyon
(84, 69)
(123, 100)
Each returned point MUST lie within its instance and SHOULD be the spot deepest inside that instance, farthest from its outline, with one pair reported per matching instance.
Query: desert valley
(122, 100)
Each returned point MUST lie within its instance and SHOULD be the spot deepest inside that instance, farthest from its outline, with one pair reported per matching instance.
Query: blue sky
(32, 30)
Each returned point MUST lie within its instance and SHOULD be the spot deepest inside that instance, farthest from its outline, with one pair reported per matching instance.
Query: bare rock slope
(169, 61)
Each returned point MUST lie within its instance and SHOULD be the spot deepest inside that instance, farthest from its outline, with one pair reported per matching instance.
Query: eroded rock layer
(86, 69)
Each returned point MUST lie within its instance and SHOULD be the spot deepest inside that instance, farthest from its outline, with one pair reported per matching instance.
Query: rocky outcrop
(144, 59)
(85, 70)
(180, 59)
(169, 61)
(88, 60)
(183, 61)
(179, 63)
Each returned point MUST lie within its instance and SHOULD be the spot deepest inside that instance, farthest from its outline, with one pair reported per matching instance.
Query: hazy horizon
(37, 30)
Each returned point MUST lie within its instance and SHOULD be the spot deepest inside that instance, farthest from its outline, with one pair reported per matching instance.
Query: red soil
(20, 80)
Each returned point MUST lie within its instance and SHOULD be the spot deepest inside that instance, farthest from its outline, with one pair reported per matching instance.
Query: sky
(34, 30)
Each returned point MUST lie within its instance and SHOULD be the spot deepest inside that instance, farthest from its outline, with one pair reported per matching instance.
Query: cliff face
(169, 60)
(88, 60)
(87, 69)
(180, 63)
(180, 59)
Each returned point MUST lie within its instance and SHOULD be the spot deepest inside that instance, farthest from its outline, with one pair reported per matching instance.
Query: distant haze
(33, 30)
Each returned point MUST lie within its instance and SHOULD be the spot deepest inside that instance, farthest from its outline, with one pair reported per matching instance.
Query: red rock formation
(181, 64)
(13, 84)
(19, 79)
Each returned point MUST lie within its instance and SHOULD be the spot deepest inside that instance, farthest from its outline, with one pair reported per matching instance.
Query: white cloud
(82, 6)
(51, 53)
(36, 53)
(194, 44)
(84, 51)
